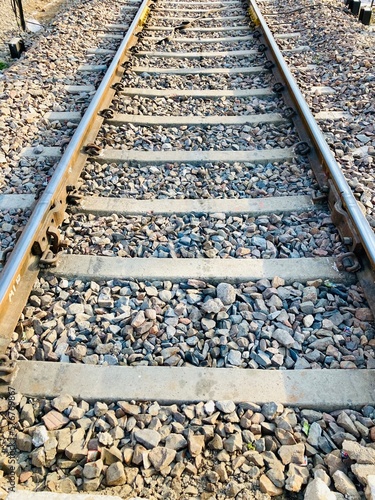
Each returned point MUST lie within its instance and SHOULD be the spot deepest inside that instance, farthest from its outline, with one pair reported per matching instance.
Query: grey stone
(226, 293)
(362, 471)
(234, 357)
(175, 442)
(307, 307)
(233, 443)
(225, 406)
(315, 432)
(62, 402)
(345, 486)
(318, 490)
(92, 470)
(212, 306)
(161, 457)
(321, 344)
(283, 337)
(360, 454)
(267, 486)
(297, 476)
(292, 453)
(276, 475)
(269, 410)
(115, 474)
(311, 415)
(100, 409)
(148, 437)
(347, 423)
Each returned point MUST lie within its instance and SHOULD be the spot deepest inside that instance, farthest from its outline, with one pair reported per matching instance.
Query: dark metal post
(22, 18)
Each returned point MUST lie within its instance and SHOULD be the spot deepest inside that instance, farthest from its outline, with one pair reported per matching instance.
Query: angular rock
(311, 415)
(297, 476)
(370, 488)
(38, 457)
(92, 470)
(24, 442)
(216, 443)
(345, 486)
(334, 462)
(360, 454)
(315, 432)
(62, 402)
(226, 293)
(267, 486)
(233, 443)
(100, 409)
(276, 475)
(27, 414)
(129, 408)
(195, 444)
(54, 420)
(148, 437)
(269, 410)
(292, 454)
(234, 357)
(225, 406)
(115, 474)
(161, 457)
(283, 337)
(347, 423)
(362, 471)
(318, 490)
(76, 451)
(213, 306)
(175, 442)
(91, 484)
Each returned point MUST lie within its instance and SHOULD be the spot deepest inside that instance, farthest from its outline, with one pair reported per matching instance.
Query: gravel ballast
(210, 236)
(250, 325)
(207, 450)
(205, 180)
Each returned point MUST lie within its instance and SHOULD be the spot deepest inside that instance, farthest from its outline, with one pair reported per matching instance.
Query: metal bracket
(302, 148)
(319, 197)
(118, 87)
(52, 235)
(126, 65)
(107, 113)
(48, 258)
(7, 368)
(348, 262)
(278, 88)
(51, 254)
(289, 113)
(92, 149)
(342, 221)
(269, 65)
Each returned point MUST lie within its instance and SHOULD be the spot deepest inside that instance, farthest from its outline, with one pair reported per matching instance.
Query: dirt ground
(41, 10)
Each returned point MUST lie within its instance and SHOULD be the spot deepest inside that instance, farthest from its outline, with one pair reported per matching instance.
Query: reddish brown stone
(24, 476)
(54, 420)
(364, 314)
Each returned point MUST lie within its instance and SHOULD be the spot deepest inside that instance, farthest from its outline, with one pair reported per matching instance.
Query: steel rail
(22, 259)
(365, 232)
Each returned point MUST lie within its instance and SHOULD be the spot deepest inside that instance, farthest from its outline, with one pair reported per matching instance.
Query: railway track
(196, 242)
